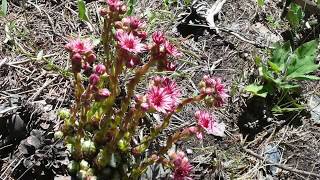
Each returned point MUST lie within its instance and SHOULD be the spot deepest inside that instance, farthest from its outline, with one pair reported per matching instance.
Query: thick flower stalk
(100, 129)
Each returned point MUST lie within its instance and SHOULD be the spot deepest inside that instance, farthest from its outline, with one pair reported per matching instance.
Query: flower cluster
(163, 96)
(181, 165)
(101, 127)
(161, 49)
(215, 91)
(81, 53)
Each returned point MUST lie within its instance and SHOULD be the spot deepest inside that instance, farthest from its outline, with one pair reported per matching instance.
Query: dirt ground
(35, 81)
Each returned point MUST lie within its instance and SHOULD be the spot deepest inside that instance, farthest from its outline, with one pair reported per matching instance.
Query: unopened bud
(58, 135)
(118, 24)
(76, 58)
(84, 165)
(73, 167)
(102, 94)
(100, 69)
(64, 114)
(87, 147)
(123, 9)
(91, 58)
(145, 106)
(142, 35)
(94, 79)
(170, 66)
(103, 12)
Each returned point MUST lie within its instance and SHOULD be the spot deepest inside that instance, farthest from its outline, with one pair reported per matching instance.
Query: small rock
(189, 151)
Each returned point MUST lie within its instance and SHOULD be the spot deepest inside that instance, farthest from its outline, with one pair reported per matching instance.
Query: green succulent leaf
(287, 86)
(303, 61)
(260, 2)
(131, 4)
(82, 10)
(308, 77)
(4, 7)
(257, 90)
(280, 56)
(295, 15)
(274, 67)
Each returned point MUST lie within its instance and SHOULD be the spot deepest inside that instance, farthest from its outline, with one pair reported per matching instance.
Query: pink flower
(129, 42)
(79, 46)
(208, 123)
(172, 50)
(114, 5)
(158, 37)
(181, 165)
(170, 87)
(133, 22)
(159, 99)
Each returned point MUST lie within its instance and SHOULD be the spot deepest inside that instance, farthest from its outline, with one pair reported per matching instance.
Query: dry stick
(35, 95)
(287, 168)
(3, 61)
(235, 34)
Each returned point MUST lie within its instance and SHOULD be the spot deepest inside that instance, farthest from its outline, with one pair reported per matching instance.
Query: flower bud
(94, 79)
(123, 9)
(157, 80)
(91, 58)
(118, 24)
(84, 165)
(132, 62)
(138, 98)
(202, 84)
(58, 135)
(102, 94)
(82, 174)
(100, 69)
(170, 66)
(209, 91)
(76, 58)
(209, 101)
(103, 12)
(86, 66)
(142, 35)
(102, 159)
(87, 147)
(73, 167)
(123, 145)
(63, 114)
(158, 37)
(145, 106)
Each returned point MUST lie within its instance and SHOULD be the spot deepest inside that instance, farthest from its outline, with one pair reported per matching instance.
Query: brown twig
(284, 167)
(35, 95)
